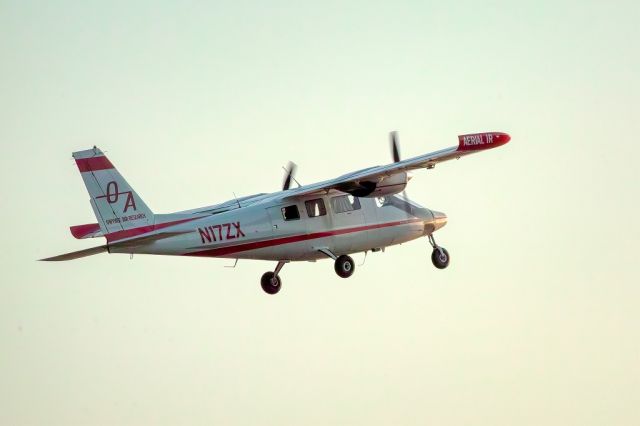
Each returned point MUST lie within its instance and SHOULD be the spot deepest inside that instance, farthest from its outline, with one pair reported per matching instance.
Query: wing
(226, 206)
(365, 181)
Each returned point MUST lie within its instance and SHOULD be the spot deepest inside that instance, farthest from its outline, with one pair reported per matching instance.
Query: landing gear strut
(270, 281)
(440, 255)
(344, 266)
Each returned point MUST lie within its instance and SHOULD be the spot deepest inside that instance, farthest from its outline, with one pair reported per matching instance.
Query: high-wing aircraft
(362, 211)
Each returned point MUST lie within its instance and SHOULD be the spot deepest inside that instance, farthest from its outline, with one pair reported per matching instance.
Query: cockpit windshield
(400, 203)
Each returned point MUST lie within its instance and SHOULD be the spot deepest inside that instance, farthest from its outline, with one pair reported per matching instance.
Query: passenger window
(290, 213)
(315, 207)
(345, 203)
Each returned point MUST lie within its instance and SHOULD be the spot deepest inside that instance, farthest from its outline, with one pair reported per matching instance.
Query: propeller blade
(395, 148)
(395, 153)
(291, 171)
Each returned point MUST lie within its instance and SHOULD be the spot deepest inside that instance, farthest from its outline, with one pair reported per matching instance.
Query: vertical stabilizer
(118, 208)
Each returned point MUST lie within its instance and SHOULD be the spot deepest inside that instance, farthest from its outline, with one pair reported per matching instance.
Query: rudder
(116, 205)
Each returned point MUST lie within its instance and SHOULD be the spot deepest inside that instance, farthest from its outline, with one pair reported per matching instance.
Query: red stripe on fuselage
(216, 252)
(92, 164)
(135, 232)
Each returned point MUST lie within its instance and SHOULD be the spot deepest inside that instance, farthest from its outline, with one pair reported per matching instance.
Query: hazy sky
(535, 322)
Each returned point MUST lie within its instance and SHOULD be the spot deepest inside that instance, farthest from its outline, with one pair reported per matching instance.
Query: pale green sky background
(537, 319)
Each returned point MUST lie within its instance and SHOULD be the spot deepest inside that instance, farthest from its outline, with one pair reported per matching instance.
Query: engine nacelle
(372, 189)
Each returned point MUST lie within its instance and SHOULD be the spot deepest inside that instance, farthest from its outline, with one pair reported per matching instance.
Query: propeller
(395, 154)
(395, 148)
(290, 171)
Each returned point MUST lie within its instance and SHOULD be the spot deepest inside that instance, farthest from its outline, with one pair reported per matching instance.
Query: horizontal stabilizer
(136, 242)
(77, 254)
(90, 230)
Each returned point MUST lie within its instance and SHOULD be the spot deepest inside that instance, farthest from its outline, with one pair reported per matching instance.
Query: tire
(344, 266)
(268, 285)
(440, 261)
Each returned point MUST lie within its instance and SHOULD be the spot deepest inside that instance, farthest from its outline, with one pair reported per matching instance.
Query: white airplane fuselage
(356, 212)
(261, 231)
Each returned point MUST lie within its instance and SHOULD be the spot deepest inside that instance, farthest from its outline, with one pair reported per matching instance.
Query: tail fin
(116, 205)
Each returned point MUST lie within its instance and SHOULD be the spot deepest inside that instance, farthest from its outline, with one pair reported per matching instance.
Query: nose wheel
(440, 256)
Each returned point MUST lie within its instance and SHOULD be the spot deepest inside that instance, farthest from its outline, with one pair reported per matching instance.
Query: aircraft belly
(298, 251)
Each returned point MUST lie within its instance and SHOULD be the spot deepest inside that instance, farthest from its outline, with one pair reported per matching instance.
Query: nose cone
(439, 219)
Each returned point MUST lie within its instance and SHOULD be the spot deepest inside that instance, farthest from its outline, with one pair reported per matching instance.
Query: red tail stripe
(134, 232)
(92, 164)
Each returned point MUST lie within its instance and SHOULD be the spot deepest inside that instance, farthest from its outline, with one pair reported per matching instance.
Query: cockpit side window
(345, 203)
(290, 212)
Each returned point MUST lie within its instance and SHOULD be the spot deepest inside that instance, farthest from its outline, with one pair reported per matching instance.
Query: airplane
(361, 211)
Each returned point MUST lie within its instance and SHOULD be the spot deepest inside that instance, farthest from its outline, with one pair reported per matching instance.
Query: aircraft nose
(439, 219)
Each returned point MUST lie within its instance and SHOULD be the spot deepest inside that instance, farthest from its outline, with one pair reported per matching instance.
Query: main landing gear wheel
(440, 256)
(344, 266)
(271, 283)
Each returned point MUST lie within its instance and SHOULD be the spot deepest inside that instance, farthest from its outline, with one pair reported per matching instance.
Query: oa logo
(113, 195)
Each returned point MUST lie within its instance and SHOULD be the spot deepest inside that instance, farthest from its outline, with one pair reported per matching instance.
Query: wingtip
(47, 259)
(481, 141)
